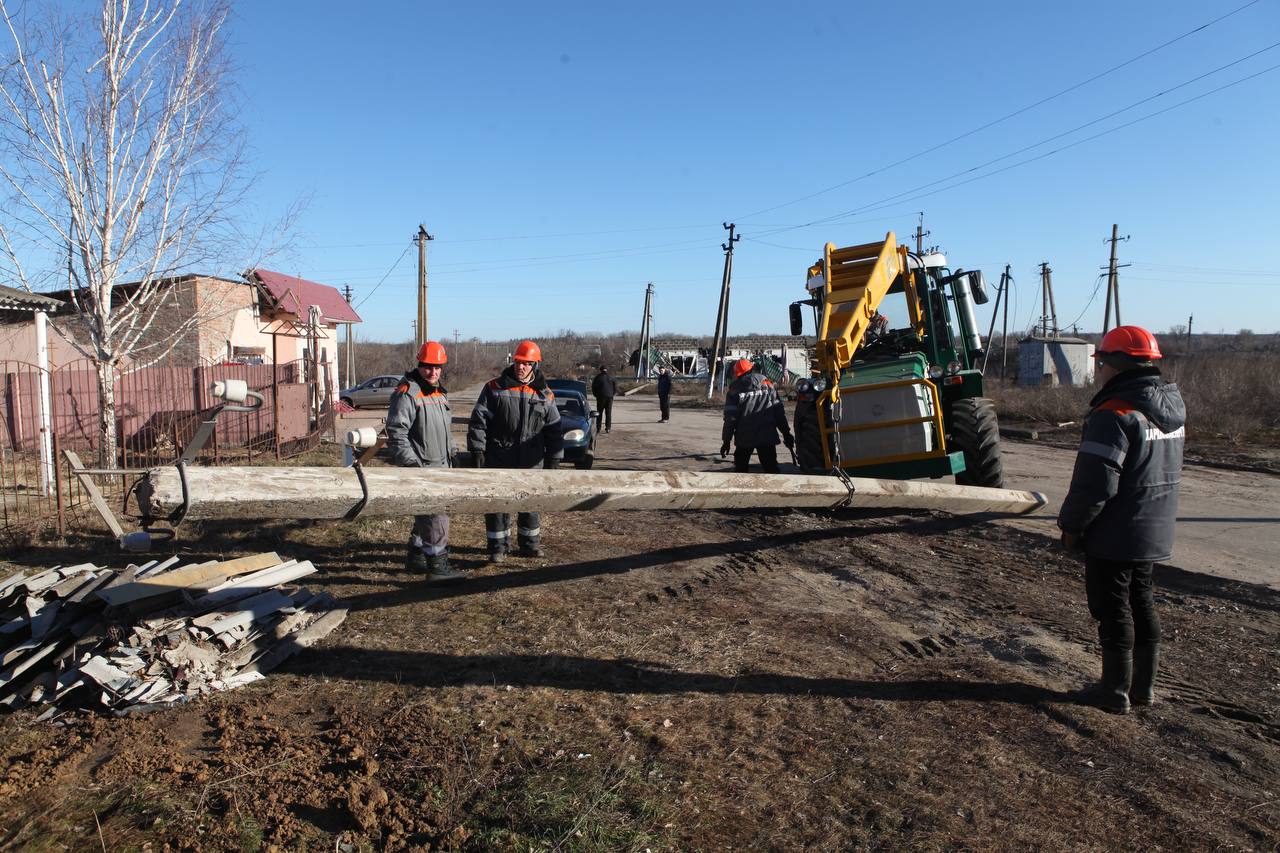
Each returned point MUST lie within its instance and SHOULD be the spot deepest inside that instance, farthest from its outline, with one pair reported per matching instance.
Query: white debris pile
(153, 635)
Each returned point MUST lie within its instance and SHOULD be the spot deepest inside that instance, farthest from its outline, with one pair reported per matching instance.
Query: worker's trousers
(497, 526)
(768, 454)
(1119, 594)
(664, 405)
(430, 534)
(604, 412)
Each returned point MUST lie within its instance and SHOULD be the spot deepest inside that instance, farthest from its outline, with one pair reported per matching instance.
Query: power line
(897, 198)
(389, 272)
(1004, 118)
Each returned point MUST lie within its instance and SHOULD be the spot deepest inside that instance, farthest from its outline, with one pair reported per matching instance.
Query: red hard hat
(741, 366)
(1133, 341)
(432, 352)
(528, 351)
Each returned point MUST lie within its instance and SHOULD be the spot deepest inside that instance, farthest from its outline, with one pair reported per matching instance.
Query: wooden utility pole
(722, 316)
(1190, 320)
(421, 329)
(1113, 281)
(921, 234)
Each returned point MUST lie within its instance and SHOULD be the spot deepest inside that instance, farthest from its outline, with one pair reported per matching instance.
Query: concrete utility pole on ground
(1113, 281)
(646, 331)
(722, 316)
(422, 328)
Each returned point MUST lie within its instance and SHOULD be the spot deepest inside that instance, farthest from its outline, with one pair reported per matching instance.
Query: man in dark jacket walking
(1121, 508)
(418, 419)
(604, 389)
(515, 424)
(753, 417)
(664, 393)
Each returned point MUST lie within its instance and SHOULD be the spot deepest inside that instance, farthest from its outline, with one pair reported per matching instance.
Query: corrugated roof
(297, 295)
(21, 300)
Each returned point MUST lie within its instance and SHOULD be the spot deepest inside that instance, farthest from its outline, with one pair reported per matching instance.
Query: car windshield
(570, 406)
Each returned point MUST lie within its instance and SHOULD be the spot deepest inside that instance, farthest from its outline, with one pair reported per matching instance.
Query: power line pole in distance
(921, 234)
(421, 328)
(1113, 281)
(350, 360)
(722, 316)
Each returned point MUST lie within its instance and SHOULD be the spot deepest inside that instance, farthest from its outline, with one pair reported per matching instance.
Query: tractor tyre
(975, 431)
(808, 437)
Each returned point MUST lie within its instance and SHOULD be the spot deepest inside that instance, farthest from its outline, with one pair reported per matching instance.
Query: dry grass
(1231, 396)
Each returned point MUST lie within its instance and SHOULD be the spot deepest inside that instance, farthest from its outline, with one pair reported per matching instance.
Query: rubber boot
(497, 555)
(530, 549)
(1146, 661)
(1112, 693)
(439, 571)
(415, 561)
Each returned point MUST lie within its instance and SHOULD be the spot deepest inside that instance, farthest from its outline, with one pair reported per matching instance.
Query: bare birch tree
(123, 162)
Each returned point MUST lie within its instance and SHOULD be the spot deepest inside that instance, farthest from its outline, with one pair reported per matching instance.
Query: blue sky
(565, 154)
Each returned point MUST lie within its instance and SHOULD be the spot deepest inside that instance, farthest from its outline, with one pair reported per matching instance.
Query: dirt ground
(687, 681)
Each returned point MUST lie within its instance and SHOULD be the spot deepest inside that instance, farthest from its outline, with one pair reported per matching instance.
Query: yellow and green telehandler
(895, 391)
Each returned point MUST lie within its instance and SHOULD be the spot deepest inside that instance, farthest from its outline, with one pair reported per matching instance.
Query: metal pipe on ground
(331, 493)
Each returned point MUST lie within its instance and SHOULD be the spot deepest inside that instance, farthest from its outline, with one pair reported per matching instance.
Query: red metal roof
(297, 295)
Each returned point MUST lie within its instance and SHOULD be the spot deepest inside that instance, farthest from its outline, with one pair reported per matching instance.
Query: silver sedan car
(375, 392)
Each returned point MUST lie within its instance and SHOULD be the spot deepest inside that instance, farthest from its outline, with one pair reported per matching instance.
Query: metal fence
(157, 412)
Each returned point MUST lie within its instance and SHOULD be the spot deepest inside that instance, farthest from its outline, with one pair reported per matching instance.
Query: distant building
(1055, 361)
(690, 357)
(264, 318)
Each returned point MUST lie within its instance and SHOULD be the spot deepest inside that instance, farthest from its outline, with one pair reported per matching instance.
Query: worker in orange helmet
(515, 424)
(753, 417)
(418, 420)
(1121, 508)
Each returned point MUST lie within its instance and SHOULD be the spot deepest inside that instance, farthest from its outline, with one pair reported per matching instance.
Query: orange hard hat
(432, 352)
(741, 366)
(1133, 341)
(528, 351)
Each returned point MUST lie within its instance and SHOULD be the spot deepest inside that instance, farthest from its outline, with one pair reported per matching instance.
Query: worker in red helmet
(418, 420)
(1121, 507)
(753, 417)
(515, 424)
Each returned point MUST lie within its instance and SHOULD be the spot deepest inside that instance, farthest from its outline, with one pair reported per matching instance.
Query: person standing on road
(515, 424)
(753, 417)
(604, 389)
(664, 394)
(1121, 508)
(418, 419)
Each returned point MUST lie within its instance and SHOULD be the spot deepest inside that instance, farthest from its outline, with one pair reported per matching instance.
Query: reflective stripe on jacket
(753, 414)
(1123, 499)
(418, 419)
(515, 425)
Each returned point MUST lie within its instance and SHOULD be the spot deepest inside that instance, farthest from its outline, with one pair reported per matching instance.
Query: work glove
(550, 463)
(789, 440)
(477, 459)
(1070, 541)
(724, 450)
